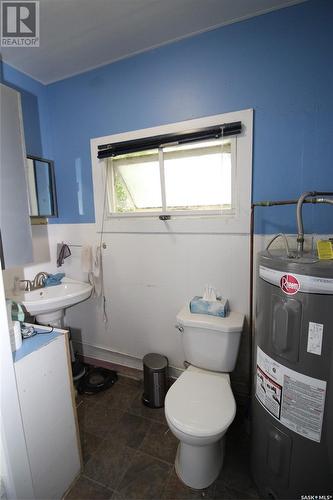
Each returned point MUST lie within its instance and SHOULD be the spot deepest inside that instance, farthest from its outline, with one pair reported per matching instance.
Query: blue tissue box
(220, 307)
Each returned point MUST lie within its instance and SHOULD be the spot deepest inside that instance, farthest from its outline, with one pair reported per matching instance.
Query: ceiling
(78, 35)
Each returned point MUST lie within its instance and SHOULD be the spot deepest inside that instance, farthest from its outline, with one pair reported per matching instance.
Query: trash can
(155, 377)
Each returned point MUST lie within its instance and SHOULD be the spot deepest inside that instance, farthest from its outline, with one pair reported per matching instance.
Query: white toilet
(200, 406)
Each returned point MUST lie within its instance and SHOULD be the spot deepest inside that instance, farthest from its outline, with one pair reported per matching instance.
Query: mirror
(41, 187)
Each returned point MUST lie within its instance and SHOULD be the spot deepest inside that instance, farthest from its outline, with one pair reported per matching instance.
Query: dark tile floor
(128, 452)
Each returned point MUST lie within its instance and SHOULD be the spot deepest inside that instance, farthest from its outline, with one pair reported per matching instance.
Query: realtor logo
(20, 24)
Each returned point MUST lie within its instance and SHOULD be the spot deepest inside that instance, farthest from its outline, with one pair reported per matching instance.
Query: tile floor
(128, 452)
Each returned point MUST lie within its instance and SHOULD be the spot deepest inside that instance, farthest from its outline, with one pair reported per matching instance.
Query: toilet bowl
(199, 408)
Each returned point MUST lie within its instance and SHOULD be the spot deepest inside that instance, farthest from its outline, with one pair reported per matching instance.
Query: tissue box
(218, 307)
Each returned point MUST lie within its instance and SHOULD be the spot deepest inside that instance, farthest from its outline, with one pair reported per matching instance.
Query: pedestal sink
(48, 304)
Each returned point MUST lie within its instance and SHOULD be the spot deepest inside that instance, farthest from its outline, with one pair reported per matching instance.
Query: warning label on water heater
(296, 400)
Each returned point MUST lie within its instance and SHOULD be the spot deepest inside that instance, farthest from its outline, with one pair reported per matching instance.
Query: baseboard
(125, 364)
(126, 371)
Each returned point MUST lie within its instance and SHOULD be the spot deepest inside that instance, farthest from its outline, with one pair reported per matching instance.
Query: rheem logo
(289, 284)
(20, 24)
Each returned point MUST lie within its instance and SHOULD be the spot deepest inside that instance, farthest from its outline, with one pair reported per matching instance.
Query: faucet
(37, 282)
(27, 285)
(39, 279)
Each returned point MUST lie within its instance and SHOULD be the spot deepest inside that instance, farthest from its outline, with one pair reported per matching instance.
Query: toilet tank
(210, 342)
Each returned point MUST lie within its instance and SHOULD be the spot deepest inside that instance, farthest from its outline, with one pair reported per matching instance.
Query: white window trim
(235, 222)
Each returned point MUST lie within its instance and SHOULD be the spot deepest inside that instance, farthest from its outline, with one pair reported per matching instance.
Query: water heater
(292, 402)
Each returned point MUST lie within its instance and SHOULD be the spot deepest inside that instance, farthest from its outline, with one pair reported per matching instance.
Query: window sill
(189, 224)
(175, 214)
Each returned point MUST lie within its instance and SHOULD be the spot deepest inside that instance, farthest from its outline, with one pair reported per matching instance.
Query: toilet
(200, 406)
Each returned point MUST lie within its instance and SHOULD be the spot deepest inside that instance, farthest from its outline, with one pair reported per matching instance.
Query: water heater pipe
(299, 214)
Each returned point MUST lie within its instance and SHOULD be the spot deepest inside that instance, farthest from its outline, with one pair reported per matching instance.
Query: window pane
(136, 179)
(43, 187)
(198, 176)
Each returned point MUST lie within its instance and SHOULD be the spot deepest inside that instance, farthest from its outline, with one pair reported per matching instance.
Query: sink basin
(50, 299)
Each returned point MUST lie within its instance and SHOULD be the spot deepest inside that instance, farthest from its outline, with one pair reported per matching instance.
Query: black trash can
(155, 377)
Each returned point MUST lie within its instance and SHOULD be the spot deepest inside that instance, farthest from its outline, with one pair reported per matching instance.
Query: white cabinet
(46, 396)
(15, 227)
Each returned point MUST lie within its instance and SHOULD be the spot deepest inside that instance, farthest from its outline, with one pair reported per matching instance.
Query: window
(192, 178)
(184, 170)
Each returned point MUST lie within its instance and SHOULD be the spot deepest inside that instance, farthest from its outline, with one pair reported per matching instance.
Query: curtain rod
(154, 142)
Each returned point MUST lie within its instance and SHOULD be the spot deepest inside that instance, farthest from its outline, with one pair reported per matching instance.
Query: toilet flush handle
(179, 328)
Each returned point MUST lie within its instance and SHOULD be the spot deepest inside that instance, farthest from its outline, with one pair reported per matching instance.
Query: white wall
(148, 277)
(147, 280)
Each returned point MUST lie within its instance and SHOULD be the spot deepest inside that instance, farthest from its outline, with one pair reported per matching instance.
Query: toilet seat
(200, 403)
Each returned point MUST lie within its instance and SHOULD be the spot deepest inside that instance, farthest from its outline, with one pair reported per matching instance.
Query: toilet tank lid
(232, 323)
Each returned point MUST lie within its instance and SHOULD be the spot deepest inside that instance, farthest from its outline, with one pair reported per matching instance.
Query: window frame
(164, 211)
(223, 221)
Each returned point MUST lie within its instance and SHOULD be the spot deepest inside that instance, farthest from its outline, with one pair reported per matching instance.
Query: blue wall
(280, 64)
